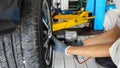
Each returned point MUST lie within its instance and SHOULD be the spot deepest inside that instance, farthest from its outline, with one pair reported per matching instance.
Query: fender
(7, 26)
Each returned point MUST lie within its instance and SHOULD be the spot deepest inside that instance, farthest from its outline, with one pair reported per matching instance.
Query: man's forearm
(101, 50)
(107, 37)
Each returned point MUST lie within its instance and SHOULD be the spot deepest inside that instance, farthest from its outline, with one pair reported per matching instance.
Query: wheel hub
(47, 33)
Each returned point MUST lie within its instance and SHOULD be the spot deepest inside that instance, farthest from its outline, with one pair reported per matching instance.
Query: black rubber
(11, 55)
(106, 62)
(7, 26)
(23, 48)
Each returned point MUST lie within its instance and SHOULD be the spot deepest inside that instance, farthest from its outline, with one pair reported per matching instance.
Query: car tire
(27, 46)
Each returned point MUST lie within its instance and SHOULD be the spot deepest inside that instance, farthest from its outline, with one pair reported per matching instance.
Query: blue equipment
(99, 14)
(91, 6)
(110, 6)
(97, 7)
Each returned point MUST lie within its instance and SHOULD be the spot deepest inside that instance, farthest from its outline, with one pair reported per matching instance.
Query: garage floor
(63, 61)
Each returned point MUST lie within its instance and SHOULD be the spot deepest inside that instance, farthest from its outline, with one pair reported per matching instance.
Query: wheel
(37, 32)
(46, 33)
(29, 46)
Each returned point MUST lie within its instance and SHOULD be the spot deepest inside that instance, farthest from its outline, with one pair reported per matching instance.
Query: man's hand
(76, 43)
(59, 46)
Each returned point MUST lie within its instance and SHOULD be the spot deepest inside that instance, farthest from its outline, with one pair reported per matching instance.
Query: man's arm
(94, 50)
(101, 50)
(99, 46)
(107, 37)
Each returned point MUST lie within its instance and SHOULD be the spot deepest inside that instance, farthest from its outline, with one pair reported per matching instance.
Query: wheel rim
(47, 33)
